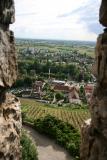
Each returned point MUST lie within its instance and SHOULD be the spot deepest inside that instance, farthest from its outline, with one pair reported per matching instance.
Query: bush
(28, 148)
(64, 134)
(59, 96)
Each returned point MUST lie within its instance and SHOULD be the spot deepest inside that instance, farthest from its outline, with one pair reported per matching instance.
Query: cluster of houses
(71, 90)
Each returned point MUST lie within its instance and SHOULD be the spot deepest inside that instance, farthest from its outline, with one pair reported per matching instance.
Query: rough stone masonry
(94, 131)
(10, 114)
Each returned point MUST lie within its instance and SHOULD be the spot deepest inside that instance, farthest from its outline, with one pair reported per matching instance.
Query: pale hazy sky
(57, 19)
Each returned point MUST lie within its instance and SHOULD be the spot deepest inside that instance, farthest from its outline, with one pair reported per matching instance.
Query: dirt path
(47, 149)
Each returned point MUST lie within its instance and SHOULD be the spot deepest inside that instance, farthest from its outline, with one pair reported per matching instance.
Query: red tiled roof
(65, 88)
(61, 88)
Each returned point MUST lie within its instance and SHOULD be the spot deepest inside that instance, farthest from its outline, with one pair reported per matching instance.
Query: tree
(59, 96)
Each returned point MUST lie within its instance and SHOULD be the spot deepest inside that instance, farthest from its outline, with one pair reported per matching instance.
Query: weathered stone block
(10, 128)
(100, 66)
(8, 64)
(7, 12)
(10, 113)
(103, 13)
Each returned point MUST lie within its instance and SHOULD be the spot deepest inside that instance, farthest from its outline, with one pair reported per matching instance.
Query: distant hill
(56, 42)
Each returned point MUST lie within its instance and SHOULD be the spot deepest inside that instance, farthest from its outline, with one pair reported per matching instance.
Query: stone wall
(8, 65)
(94, 131)
(10, 114)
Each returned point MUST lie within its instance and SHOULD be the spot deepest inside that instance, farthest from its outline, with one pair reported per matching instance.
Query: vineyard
(35, 110)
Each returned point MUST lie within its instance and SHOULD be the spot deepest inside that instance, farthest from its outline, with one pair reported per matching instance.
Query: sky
(57, 19)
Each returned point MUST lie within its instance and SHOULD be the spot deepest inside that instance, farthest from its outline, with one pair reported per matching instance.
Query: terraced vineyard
(36, 110)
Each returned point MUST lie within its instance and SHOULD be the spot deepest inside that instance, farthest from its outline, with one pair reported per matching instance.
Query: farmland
(35, 110)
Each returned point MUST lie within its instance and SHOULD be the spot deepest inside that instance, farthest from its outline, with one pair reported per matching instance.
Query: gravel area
(46, 147)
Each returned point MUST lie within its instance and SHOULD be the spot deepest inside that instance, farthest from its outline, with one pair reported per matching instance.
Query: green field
(35, 110)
